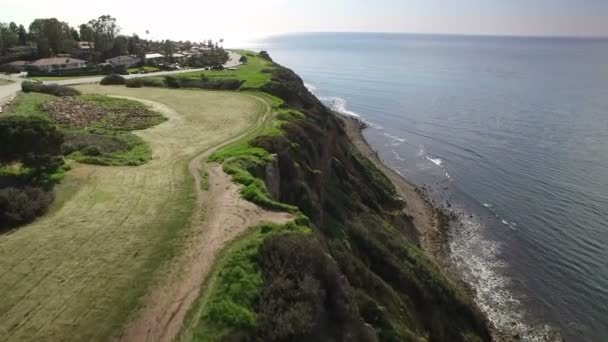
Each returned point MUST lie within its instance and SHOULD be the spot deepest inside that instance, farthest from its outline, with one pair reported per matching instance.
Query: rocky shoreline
(432, 222)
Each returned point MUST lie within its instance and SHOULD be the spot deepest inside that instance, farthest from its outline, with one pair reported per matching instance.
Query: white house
(57, 63)
(126, 61)
(155, 57)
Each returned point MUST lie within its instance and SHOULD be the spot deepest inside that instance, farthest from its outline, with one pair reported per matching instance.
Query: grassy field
(4, 81)
(77, 273)
(252, 73)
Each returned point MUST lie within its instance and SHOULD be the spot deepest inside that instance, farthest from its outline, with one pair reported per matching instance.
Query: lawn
(146, 68)
(77, 273)
(252, 73)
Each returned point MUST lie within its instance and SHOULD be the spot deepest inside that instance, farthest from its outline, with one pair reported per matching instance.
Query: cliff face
(359, 223)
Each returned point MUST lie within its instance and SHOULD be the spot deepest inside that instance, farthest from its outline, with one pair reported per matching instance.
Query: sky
(239, 20)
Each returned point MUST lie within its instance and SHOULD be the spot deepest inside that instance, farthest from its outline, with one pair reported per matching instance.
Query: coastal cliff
(351, 265)
(385, 288)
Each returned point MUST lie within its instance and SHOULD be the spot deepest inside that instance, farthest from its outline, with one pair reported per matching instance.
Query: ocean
(510, 134)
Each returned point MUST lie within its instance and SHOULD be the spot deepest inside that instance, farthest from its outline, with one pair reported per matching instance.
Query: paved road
(9, 91)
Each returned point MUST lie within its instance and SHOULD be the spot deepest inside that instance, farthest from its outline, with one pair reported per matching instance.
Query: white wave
(394, 137)
(310, 87)
(436, 161)
(373, 125)
(338, 104)
(448, 175)
(505, 222)
(421, 151)
(397, 156)
(478, 260)
(487, 205)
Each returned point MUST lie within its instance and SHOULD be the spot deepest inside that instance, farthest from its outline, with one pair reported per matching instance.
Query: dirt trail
(220, 216)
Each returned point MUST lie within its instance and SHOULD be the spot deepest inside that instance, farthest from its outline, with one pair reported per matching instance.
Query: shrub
(303, 290)
(113, 79)
(243, 59)
(135, 83)
(33, 141)
(153, 82)
(172, 82)
(91, 151)
(265, 55)
(53, 89)
(22, 205)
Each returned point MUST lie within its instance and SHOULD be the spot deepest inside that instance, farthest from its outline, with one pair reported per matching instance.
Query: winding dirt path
(220, 216)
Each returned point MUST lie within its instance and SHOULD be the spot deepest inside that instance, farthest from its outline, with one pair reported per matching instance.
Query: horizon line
(450, 34)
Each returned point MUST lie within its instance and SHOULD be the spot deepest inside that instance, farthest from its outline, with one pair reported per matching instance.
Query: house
(57, 64)
(125, 61)
(154, 57)
(85, 46)
(179, 58)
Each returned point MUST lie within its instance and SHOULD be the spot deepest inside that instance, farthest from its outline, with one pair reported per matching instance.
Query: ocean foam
(397, 139)
(436, 161)
(310, 87)
(338, 104)
(478, 260)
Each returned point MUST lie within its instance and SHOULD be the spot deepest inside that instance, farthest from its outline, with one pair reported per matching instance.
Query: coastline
(432, 223)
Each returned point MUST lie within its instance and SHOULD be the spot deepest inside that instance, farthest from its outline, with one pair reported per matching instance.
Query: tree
(120, 46)
(32, 141)
(50, 33)
(22, 34)
(187, 45)
(86, 33)
(169, 49)
(8, 37)
(104, 31)
(133, 44)
(243, 59)
(74, 34)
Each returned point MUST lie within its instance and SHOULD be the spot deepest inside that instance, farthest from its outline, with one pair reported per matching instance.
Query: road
(9, 91)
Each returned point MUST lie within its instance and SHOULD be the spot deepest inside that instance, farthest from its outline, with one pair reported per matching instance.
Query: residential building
(85, 46)
(126, 61)
(154, 57)
(57, 64)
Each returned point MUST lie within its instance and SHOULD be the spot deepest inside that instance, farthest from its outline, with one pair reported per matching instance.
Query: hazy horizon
(239, 20)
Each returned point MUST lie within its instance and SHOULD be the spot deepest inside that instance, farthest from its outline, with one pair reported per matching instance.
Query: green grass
(241, 158)
(251, 73)
(148, 69)
(29, 104)
(233, 287)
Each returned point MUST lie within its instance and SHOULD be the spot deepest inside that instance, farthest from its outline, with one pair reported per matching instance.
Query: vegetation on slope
(386, 280)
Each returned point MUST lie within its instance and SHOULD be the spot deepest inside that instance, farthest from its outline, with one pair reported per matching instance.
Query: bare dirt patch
(227, 216)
